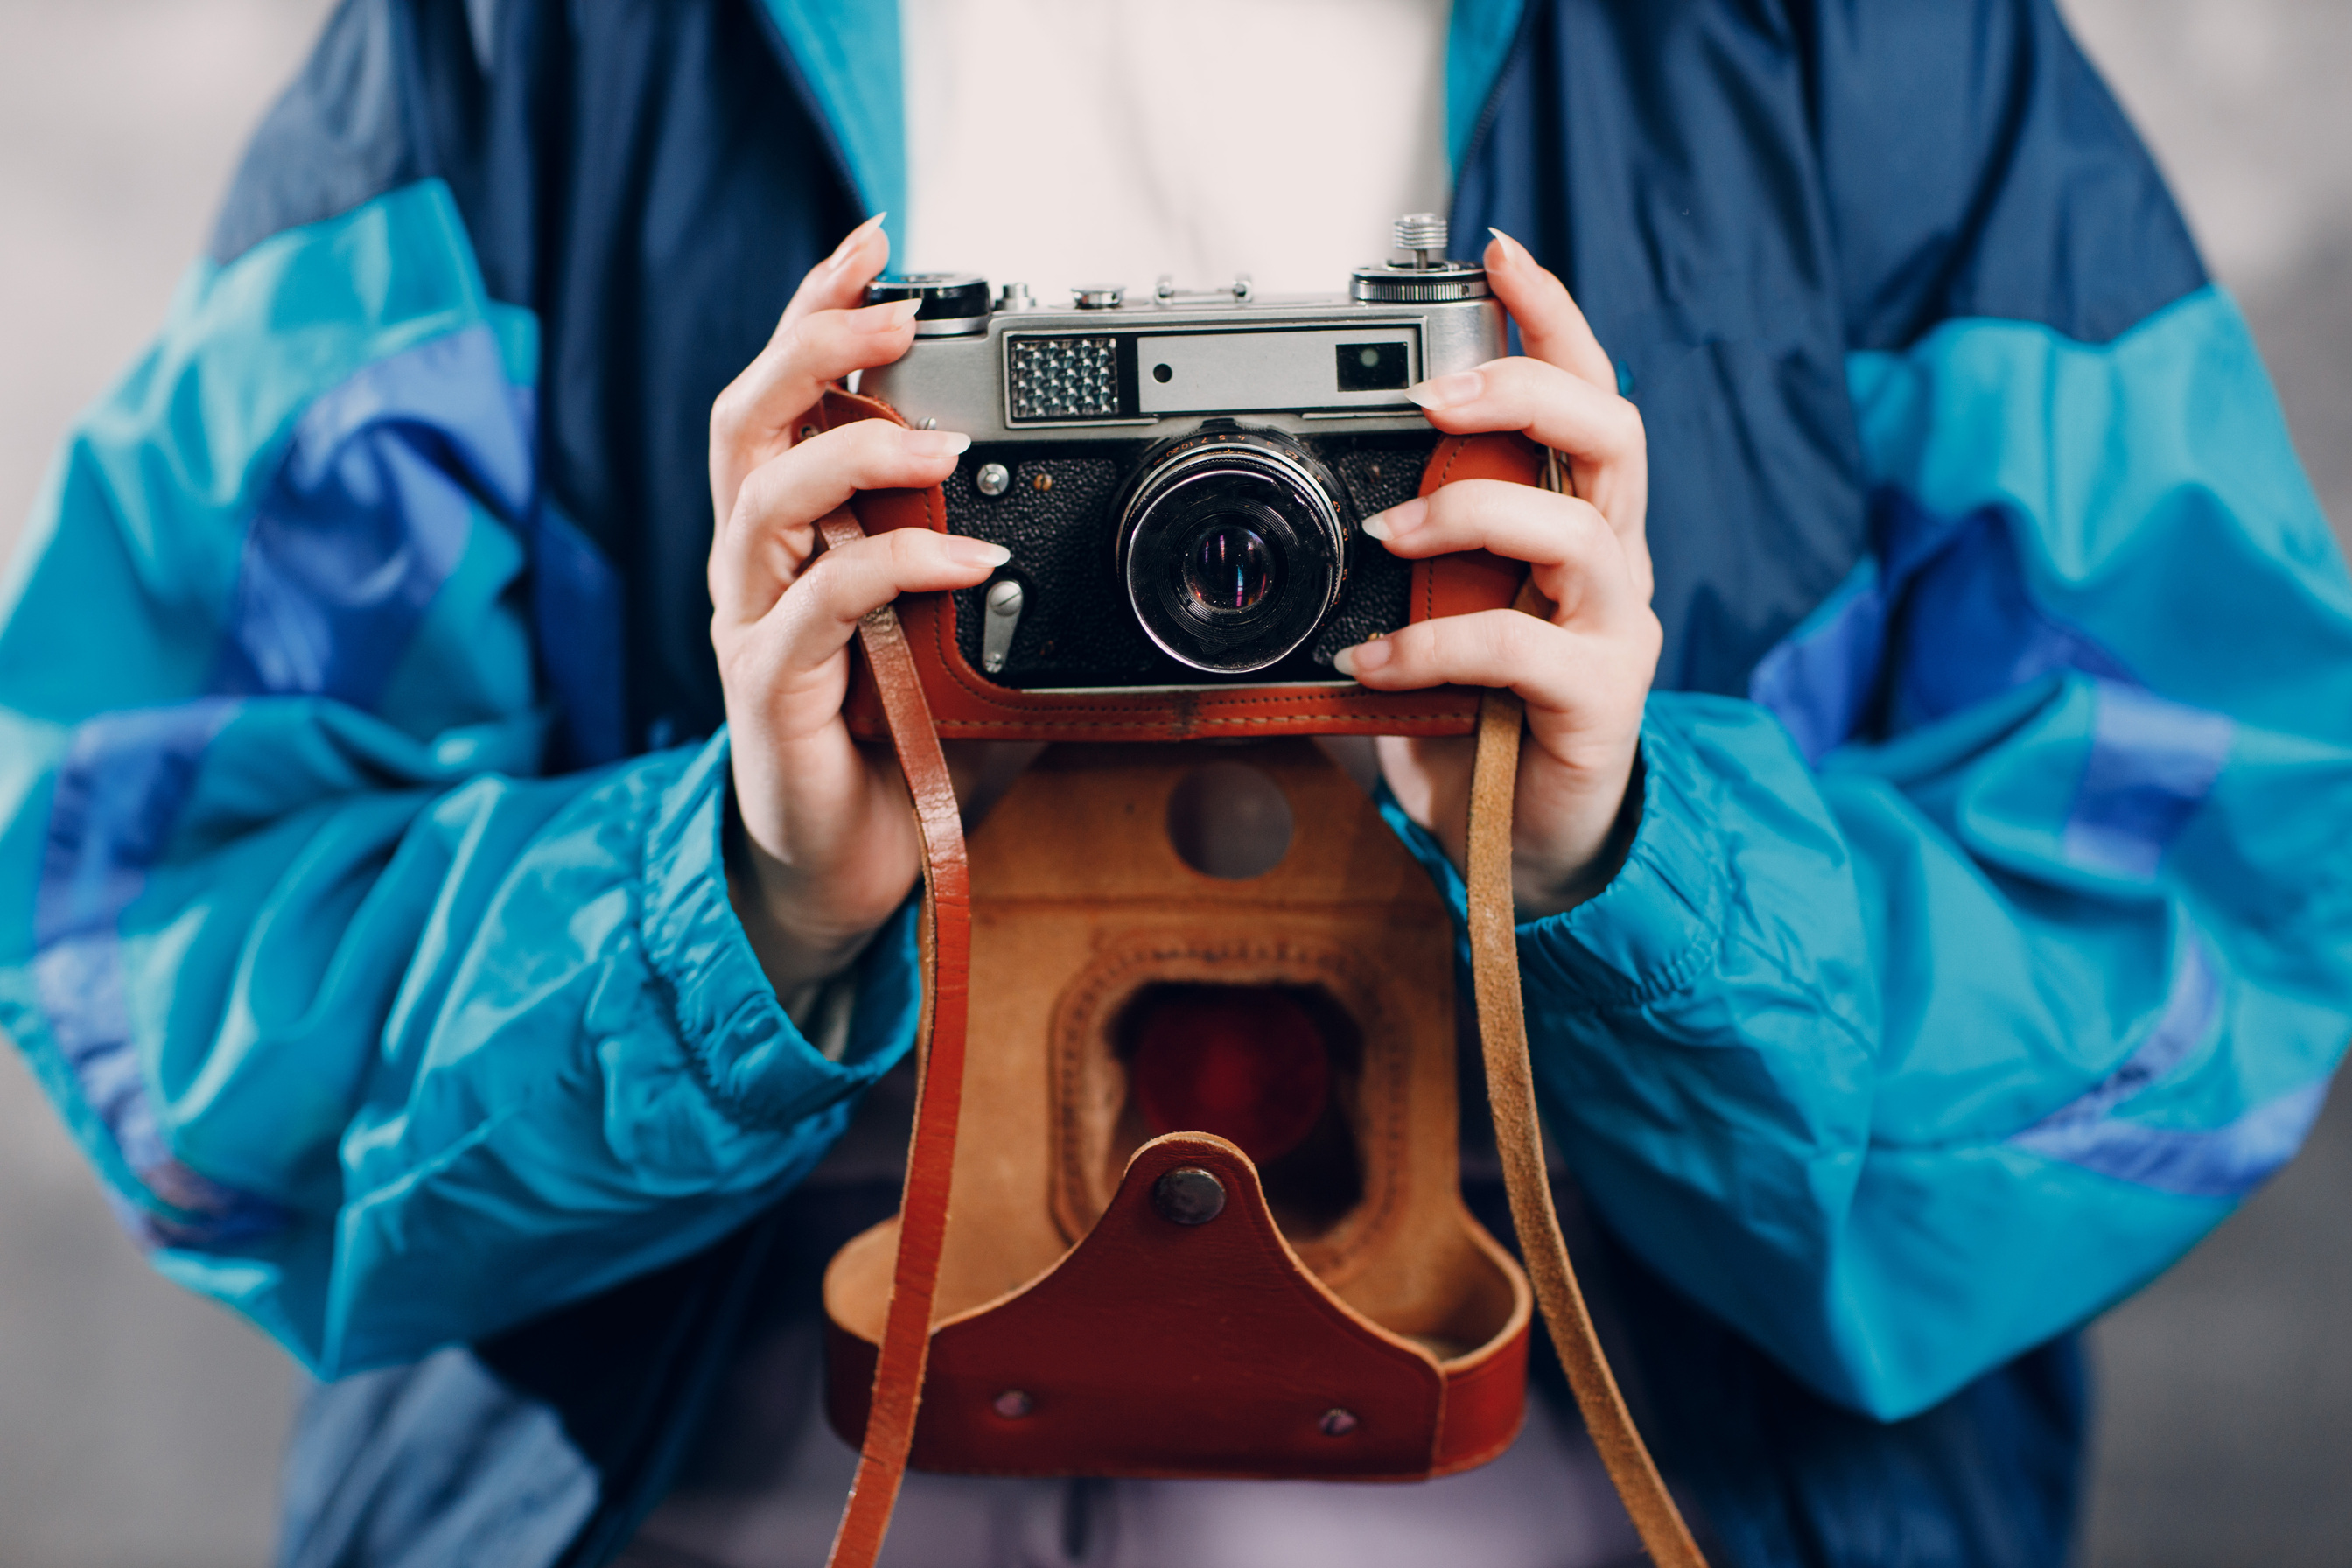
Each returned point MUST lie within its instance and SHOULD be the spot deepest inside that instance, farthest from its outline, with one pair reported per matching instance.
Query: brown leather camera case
(1123, 1345)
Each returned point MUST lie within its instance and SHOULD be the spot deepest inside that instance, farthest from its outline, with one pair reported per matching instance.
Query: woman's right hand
(828, 848)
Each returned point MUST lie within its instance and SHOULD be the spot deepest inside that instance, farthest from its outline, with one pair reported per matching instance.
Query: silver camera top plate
(1129, 371)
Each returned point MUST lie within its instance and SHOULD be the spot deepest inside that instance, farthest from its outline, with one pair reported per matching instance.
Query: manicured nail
(934, 443)
(1448, 391)
(886, 317)
(1398, 519)
(975, 552)
(1512, 248)
(1352, 662)
(848, 246)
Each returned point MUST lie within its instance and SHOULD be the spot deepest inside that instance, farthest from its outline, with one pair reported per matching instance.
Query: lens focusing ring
(1220, 481)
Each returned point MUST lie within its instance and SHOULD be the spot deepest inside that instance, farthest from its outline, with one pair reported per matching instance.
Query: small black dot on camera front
(1161, 372)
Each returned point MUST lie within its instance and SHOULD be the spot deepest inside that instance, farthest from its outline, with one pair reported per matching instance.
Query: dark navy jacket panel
(699, 190)
(1660, 158)
(1976, 165)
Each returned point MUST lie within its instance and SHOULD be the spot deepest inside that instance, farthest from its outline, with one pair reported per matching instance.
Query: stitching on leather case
(1222, 707)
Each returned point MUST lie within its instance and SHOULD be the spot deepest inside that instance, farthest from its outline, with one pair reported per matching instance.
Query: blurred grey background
(140, 1426)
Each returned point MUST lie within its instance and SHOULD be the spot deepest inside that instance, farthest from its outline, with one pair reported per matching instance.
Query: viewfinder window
(1372, 367)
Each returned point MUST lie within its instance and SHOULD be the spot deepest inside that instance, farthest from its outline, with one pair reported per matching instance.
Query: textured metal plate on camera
(1064, 377)
(1228, 372)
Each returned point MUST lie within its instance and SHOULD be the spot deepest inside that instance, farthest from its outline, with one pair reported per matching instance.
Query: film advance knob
(1429, 279)
(954, 303)
(1423, 234)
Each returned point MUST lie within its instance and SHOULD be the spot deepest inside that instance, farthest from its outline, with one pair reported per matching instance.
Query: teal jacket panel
(1962, 979)
(373, 1034)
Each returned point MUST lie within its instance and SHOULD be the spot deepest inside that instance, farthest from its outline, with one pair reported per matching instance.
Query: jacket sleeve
(372, 1033)
(2001, 943)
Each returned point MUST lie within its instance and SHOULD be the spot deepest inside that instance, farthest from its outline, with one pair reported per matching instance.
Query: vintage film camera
(1182, 481)
(1201, 461)
(1205, 1214)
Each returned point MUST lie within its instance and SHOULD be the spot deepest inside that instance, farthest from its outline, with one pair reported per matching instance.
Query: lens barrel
(1232, 547)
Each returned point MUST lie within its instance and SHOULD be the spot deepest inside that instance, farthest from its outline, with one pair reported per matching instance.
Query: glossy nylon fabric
(1979, 1008)
(384, 1041)
(1983, 939)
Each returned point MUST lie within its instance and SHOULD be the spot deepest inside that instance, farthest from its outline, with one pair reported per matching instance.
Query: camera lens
(1232, 547)
(1229, 571)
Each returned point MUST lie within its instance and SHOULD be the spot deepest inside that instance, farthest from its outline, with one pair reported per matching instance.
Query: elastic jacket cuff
(759, 1067)
(1658, 924)
(1653, 928)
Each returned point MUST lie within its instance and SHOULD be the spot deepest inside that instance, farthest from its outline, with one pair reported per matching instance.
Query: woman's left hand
(1583, 670)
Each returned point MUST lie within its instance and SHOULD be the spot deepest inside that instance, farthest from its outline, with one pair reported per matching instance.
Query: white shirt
(1062, 141)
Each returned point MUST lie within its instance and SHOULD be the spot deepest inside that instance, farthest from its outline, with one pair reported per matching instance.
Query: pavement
(141, 1427)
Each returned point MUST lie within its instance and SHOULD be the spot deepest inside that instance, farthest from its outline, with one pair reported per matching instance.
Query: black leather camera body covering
(1058, 516)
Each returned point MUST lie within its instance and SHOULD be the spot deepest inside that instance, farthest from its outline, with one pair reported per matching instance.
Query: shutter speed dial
(954, 303)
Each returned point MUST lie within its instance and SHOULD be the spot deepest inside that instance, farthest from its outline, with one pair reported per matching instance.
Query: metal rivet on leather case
(1012, 1405)
(1188, 1196)
(1337, 1423)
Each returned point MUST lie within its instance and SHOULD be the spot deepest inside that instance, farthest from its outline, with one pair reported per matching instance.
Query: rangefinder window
(1373, 367)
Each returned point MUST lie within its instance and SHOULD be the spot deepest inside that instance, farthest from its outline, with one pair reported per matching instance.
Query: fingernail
(1448, 391)
(849, 242)
(966, 551)
(934, 443)
(1512, 248)
(1398, 519)
(886, 317)
(1353, 662)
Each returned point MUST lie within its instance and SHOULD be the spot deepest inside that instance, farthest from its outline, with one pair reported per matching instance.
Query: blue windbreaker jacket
(1985, 940)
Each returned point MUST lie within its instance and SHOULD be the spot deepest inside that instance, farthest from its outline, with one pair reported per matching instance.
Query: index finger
(1552, 326)
(838, 282)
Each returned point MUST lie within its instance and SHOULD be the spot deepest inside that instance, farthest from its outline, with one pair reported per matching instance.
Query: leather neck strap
(930, 1157)
(931, 1154)
(1518, 1137)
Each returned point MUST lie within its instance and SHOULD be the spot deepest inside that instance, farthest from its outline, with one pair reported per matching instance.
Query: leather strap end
(905, 1351)
(1518, 1136)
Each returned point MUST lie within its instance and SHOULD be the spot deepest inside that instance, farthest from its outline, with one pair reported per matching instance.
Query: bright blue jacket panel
(377, 1036)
